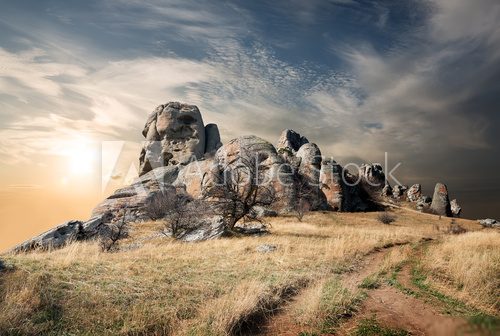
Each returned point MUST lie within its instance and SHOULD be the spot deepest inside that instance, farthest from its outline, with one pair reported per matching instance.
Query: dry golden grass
(471, 264)
(169, 287)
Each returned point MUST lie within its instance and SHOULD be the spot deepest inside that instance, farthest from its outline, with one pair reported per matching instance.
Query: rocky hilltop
(185, 158)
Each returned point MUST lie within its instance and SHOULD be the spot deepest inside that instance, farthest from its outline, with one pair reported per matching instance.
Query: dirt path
(397, 310)
(389, 306)
(284, 322)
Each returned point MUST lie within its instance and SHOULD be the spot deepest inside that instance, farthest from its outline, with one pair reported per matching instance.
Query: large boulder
(274, 175)
(440, 201)
(455, 208)
(489, 223)
(290, 141)
(174, 134)
(413, 194)
(399, 190)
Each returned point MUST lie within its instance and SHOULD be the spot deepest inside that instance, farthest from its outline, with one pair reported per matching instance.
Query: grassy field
(224, 286)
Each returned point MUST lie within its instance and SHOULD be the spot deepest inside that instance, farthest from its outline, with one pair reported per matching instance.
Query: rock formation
(184, 158)
(413, 194)
(440, 201)
(175, 134)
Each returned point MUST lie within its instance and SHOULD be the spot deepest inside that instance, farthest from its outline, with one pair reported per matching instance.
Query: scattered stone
(413, 194)
(440, 201)
(489, 223)
(456, 209)
(266, 248)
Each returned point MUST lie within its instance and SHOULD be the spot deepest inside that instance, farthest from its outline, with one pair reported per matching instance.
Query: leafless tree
(110, 234)
(239, 186)
(303, 196)
(180, 212)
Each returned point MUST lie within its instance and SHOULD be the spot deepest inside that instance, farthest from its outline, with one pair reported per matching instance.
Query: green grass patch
(337, 303)
(479, 320)
(370, 327)
(371, 282)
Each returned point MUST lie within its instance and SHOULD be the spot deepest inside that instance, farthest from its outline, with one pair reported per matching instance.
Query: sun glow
(81, 158)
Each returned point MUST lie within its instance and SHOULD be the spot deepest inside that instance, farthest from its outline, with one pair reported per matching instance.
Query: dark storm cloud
(416, 79)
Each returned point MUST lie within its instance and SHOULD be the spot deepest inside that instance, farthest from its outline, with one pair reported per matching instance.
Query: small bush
(386, 218)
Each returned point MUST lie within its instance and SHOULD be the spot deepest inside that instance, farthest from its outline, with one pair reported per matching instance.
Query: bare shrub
(110, 234)
(386, 218)
(455, 228)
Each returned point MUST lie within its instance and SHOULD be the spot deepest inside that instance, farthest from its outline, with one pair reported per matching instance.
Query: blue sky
(417, 79)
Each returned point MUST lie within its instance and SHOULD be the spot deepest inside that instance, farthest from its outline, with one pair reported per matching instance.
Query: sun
(81, 158)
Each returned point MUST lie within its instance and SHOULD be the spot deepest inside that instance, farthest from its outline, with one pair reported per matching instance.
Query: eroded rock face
(250, 149)
(133, 199)
(174, 135)
(332, 184)
(413, 194)
(310, 162)
(291, 141)
(440, 201)
(455, 208)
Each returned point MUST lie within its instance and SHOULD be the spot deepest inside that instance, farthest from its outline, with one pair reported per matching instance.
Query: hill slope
(158, 286)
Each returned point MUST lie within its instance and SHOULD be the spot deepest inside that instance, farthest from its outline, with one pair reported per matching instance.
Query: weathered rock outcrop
(251, 150)
(175, 135)
(64, 234)
(332, 184)
(440, 201)
(184, 158)
(413, 194)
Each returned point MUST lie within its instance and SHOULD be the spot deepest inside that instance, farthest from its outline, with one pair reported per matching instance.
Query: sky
(419, 80)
